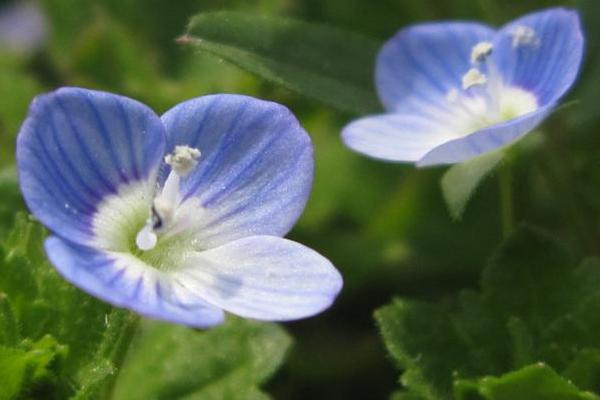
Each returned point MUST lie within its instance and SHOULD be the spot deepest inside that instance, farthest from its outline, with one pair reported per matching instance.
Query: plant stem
(117, 344)
(506, 200)
(124, 341)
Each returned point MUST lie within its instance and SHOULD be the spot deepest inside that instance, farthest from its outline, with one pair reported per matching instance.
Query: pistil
(164, 206)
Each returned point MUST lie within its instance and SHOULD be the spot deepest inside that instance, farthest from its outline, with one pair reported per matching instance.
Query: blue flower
(455, 90)
(178, 217)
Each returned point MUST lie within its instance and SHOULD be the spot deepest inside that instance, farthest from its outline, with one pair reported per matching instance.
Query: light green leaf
(226, 362)
(37, 302)
(29, 367)
(461, 180)
(321, 62)
(537, 381)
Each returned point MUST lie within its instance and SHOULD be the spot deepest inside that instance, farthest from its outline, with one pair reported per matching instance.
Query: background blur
(384, 226)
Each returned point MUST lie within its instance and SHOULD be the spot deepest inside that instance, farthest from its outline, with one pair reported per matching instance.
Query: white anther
(524, 36)
(481, 51)
(146, 238)
(473, 78)
(183, 159)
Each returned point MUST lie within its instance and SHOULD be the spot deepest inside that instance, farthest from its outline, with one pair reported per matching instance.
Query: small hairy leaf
(29, 367)
(537, 381)
(321, 62)
(36, 303)
(534, 306)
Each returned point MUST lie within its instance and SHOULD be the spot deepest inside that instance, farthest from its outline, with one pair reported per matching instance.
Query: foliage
(61, 342)
(534, 306)
(228, 362)
(385, 226)
(537, 381)
(262, 45)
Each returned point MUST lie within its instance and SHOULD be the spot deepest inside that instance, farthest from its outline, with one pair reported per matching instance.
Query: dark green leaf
(324, 63)
(534, 306)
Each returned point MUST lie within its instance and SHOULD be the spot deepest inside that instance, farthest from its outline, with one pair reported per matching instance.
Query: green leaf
(537, 381)
(36, 302)
(461, 180)
(534, 306)
(585, 370)
(29, 367)
(226, 362)
(9, 327)
(321, 62)
(99, 374)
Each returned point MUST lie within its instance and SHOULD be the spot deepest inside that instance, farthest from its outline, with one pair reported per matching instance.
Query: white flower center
(164, 206)
(484, 99)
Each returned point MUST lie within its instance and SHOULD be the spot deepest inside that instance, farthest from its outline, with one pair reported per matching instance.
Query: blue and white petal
(78, 147)
(396, 137)
(255, 171)
(123, 280)
(541, 53)
(484, 140)
(479, 89)
(262, 277)
(421, 64)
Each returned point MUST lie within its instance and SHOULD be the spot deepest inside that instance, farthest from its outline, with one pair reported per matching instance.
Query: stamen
(524, 36)
(162, 214)
(481, 51)
(473, 78)
(183, 159)
(146, 239)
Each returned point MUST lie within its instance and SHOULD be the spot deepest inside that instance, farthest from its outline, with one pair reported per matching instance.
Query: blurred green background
(385, 226)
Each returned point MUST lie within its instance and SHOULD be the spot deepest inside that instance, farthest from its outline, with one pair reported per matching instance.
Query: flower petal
(255, 171)
(418, 66)
(548, 65)
(396, 137)
(76, 147)
(484, 140)
(125, 281)
(263, 277)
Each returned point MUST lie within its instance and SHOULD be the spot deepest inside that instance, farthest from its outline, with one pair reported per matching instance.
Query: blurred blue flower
(178, 217)
(455, 90)
(23, 27)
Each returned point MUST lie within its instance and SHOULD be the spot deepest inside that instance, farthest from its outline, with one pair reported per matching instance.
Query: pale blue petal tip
(266, 278)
